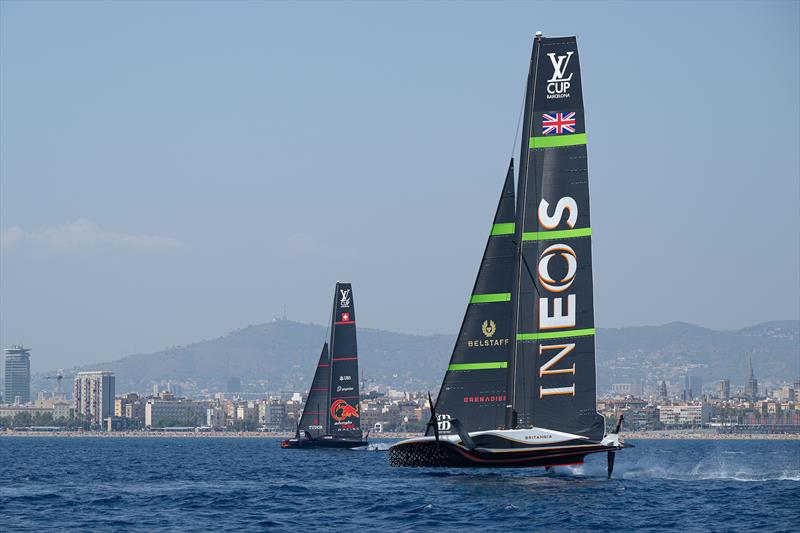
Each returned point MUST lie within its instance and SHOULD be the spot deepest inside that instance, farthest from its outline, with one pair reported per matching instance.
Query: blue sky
(173, 171)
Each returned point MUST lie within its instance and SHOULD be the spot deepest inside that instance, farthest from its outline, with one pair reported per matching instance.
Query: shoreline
(645, 435)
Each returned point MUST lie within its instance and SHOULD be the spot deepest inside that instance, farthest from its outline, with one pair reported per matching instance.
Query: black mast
(522, 191)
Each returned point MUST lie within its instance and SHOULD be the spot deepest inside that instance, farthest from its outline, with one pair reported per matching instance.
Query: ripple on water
(251, 484)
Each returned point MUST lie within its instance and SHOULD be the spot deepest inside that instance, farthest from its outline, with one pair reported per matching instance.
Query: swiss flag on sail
(345, 317)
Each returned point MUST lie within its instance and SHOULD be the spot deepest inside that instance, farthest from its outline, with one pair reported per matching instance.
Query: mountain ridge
(282, 354)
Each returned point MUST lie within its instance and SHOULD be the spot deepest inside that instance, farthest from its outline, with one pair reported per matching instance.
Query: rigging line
(519, 119)
(330, 321)
(528, 268)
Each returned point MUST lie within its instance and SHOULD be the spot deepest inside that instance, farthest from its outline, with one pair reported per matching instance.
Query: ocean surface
(251, 484)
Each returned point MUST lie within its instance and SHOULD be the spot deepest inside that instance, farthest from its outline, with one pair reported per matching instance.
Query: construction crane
(58, 377)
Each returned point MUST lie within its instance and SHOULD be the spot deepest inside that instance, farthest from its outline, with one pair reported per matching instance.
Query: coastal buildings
(684, 416)
(751, 386)
(663, 396)
(93, 396)
(10, 411)
(17, 373)
(272, 414)
(692, 388)
(173, 413)
(785, 394)
(725, 389)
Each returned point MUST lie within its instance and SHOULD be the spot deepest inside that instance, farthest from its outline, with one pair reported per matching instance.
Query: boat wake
(722, 466)
(374, 447)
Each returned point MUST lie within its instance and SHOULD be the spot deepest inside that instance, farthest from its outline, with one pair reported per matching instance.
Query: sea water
(251, 484)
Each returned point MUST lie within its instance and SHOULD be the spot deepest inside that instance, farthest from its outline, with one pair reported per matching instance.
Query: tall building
(662, 392)
(751, 386)
(692, 387)
(724, 389)
(93, 394)
(17, 375)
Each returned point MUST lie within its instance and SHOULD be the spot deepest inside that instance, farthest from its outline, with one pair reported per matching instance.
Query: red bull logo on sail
(341, 410)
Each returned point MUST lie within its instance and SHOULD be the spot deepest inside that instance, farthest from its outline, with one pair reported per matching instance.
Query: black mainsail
(534, 288)
(552, 371)
(474, 386)
(343, 409)
(331, 414)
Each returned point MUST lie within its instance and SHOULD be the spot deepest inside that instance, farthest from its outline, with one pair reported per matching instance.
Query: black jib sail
(552, 369)
(315, 419)
(343, 409)
(474, 387)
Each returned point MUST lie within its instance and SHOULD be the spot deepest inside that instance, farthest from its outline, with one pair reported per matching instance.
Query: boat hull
(499, 449)
(322, 443)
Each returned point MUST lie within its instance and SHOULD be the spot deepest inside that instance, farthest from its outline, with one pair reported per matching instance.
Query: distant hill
(284, 353)
(676, 349)
(281, 355)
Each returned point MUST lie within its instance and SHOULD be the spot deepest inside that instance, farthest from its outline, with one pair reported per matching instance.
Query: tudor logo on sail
(344, 302)
(559, 83)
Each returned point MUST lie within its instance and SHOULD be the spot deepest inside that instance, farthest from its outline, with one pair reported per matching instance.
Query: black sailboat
(330, 417)
(520, 387)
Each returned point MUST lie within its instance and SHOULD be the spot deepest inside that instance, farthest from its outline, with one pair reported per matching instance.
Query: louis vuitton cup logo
(344, 301)
(559, 83)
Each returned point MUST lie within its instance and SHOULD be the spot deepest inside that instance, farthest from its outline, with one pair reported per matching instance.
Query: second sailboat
(331, 414)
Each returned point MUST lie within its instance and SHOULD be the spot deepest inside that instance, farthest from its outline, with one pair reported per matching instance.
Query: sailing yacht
(520, 389)
(331, 414)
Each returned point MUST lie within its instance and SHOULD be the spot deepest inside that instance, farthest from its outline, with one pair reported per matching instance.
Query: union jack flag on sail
(558, 123)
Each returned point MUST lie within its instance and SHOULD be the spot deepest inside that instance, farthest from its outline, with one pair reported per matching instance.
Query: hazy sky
(170, 172)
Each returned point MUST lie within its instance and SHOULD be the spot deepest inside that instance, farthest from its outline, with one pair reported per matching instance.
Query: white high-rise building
(93, 394)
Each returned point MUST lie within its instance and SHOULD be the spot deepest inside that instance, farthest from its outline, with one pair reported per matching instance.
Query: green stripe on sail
(487, 298)
(558, 140)
(555, 334)
(478, 366)
(557, 234)
(506, 228)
